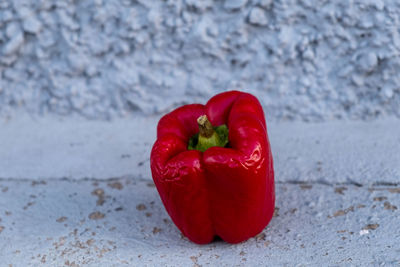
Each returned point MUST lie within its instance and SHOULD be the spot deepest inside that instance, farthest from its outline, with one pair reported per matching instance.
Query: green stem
(205, 127)
(208, 135)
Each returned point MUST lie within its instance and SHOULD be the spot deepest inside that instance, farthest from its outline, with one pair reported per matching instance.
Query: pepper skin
(224, 191)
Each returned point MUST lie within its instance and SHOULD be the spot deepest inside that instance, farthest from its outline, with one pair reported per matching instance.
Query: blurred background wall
(309, 60)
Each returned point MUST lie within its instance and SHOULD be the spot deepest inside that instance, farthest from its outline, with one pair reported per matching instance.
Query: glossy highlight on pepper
(226, 191)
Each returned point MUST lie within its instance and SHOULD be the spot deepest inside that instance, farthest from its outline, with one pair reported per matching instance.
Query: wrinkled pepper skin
(224, 191)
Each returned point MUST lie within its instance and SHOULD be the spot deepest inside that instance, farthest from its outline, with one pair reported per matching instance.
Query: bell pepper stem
(208, 135)
(205, 127)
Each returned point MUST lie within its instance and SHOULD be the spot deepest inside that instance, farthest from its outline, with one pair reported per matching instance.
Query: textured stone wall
(305, 59)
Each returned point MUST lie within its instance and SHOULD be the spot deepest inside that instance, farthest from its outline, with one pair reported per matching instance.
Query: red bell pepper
(227, 190)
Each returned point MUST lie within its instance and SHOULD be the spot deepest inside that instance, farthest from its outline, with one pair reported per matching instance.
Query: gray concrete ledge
(331, 152)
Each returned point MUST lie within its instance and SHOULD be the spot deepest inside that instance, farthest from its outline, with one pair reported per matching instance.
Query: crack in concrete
(140, 179)
(325, 183)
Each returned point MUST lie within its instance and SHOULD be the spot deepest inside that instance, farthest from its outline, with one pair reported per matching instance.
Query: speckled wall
(305, 60)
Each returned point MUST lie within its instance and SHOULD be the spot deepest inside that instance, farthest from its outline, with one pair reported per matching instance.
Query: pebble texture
(306, 59)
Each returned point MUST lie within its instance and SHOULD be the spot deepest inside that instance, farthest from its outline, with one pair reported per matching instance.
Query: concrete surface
(79, 193)
(123, 223)
(305, 60)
